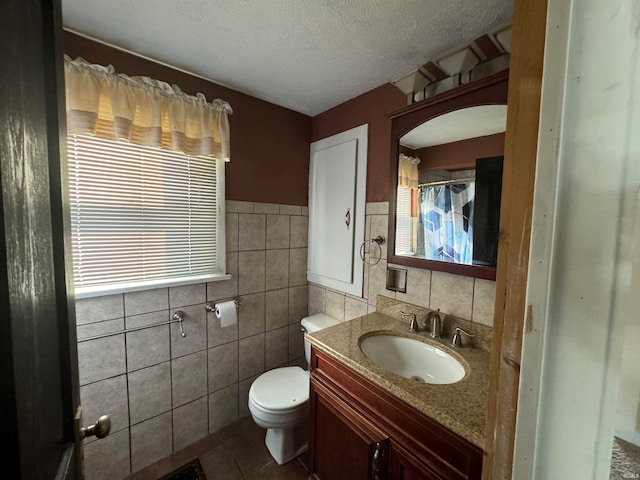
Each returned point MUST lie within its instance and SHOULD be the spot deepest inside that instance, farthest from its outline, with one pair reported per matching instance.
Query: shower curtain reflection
(446, 212)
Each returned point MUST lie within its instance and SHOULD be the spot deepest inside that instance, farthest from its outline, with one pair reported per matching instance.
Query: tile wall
(464, 297)
(163, 391)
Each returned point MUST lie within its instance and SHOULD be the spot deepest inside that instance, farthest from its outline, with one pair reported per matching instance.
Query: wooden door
(345, 444)
(38, 358)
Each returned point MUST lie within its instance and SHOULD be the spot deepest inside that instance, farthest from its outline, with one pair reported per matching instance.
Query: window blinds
(140, 216)
(404, 221)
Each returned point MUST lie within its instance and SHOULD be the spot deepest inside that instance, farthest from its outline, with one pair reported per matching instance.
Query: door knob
(101, 428)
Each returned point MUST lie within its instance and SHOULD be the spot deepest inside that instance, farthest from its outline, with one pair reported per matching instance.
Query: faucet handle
(413, 326)
(456, 341)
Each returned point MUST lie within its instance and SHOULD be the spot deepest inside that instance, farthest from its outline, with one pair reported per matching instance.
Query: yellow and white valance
(144, 111)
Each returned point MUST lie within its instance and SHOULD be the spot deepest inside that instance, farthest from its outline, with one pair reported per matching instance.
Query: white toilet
(279, 400)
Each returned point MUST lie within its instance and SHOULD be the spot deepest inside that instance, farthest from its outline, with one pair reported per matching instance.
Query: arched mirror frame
(491, 90)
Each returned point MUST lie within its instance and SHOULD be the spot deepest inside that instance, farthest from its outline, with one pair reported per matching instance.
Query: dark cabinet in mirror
(446, 175)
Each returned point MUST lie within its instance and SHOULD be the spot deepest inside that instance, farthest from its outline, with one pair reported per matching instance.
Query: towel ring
(379, 240)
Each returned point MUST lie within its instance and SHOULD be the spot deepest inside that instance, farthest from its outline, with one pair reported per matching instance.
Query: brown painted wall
(269, 144)
(460, 155)
(371, 108)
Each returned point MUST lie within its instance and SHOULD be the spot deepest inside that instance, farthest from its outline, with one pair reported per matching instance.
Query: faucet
(413, 326)
(436, 324)
(456, 341)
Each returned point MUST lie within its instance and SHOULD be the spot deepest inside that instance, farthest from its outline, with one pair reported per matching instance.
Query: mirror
(446, 177)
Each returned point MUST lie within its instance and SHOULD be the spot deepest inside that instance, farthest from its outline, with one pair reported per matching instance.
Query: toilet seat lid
(281, 388)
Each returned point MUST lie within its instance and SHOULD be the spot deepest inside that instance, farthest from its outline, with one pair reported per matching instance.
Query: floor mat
(190, 471)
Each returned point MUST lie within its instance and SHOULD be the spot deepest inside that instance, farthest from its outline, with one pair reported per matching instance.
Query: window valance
(143, 111)
(408, 171)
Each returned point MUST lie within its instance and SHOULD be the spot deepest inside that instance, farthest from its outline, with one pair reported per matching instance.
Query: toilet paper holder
(211, 306)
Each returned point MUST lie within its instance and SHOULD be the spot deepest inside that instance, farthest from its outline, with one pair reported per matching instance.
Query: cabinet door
(337, 186)
(345, 445)
(403, 466)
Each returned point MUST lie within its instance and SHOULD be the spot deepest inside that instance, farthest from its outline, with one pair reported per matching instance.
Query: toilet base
(285, 444)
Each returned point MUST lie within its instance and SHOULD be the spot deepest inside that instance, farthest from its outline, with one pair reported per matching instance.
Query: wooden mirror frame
(490, 90)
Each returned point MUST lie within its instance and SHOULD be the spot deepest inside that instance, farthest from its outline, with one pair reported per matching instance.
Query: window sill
(91, 292)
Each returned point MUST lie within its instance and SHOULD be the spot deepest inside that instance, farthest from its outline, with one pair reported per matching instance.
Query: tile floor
(236, 452)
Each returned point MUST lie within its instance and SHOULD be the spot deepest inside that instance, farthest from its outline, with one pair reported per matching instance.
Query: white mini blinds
(145, 182)
(140, 216)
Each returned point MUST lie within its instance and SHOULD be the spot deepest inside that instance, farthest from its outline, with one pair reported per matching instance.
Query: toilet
(279, 400)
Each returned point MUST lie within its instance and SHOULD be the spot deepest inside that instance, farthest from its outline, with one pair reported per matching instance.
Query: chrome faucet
(436, 324)
(413, 326)
(456, 341)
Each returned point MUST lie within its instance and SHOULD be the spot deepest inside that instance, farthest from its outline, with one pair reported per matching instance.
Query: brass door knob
(101, 428)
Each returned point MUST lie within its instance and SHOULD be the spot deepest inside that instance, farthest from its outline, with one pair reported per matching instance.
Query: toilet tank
(312, 324)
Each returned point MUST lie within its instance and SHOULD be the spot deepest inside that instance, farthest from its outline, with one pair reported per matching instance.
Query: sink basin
(412, 359)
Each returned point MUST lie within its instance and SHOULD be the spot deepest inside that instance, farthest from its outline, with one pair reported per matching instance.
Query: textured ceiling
(306, 55)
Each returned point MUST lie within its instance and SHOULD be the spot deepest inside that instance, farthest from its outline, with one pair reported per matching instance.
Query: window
(145, 165)
(404, 222)
(142, 216)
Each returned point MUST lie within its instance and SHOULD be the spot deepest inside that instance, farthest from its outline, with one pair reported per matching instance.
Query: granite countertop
(460, 406)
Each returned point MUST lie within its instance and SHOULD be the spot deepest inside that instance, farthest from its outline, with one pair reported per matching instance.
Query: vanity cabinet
(360, 431)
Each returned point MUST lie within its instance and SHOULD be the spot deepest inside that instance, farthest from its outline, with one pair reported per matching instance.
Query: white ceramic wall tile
(150, 441)
(243, 396)
(190, 423)
(290, 210)
(277, 269)
(317, 298)
(277, 231)
(102, 358)
(147, 347)
(100, 328)
(251, 315)
(296, 342)
(305, 211)
(484, 298)
(379, 226)
(107, 397)
(225, 288)
(297, 304)
(378, 282)
(222, 366)
(276, 308)
(270, 208)
(297, 267)
(251, 232)
(251, 356)
(276, 348)
(418, 287)
(235, 206)
(299, 232)
(194, 324)
(251, 272)
(218, 335)
(109, 458)
(223, 407)
(185, 295)
(149, 392)
(377, 208)
(231, 232)
(335, 305)
(354, 308)
(452, 294)
(97, 309)
(146, 301)
(188, 378)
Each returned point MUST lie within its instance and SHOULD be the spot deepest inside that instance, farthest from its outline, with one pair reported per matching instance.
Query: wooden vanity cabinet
(360, 431)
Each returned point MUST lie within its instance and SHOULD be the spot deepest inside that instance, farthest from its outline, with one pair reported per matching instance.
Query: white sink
(412, 359)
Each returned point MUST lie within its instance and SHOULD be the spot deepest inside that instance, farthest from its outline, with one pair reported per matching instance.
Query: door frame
(38, 359)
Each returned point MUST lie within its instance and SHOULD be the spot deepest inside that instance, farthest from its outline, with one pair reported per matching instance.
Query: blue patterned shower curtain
(446, 212)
